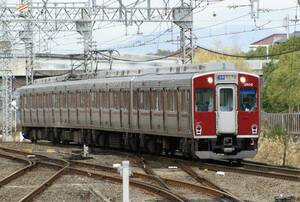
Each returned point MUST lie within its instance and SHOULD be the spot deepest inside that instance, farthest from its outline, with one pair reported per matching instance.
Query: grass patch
(271, 151)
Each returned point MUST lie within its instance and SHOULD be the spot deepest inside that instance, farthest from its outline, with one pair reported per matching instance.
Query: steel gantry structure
(24, 19)
(6, 83)
(45, 16)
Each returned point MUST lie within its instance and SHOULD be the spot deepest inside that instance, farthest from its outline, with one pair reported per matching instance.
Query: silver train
(138, 110)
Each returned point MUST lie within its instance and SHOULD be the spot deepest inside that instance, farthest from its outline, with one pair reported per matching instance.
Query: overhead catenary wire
(252, 56)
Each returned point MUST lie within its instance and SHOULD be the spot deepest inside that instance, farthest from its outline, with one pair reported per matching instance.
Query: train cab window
(204, 101)
(226, 99)
(248, 99)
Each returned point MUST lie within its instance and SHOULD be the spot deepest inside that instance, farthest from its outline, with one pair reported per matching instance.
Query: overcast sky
(216, 26)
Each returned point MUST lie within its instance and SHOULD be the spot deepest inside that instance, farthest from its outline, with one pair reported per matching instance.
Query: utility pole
(26, 35)
(183, 17)
(286, 24)
(85, 28)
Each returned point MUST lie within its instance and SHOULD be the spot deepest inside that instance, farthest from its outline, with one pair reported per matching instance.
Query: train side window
(56, 100)
(82, 99)
(135, 99)
(183, 100)
(78, 99)
(36, 96)
(44, 100)
(171, 101)
(111, 99)
(73, 100)
(61, 100)
(175, 103)
(33, 103)
(248, 99)
(153, 98)
(41, 100)
(37, 102)
(25, 101)
(117, 99)
(157, 100)
(93, 99)
(146, 99)
(99, 94)
(127, 99)
(141, 99)
(105, 99)
(88, 99)
(124, 99)
(204, 100)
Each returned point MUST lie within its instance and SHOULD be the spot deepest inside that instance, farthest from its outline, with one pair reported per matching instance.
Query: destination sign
(226, 78)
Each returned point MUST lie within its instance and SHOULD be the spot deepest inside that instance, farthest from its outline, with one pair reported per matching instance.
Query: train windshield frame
(248, 99)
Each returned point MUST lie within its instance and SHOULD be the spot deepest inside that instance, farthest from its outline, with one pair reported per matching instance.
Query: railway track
(271, 168)
(166, 181)
(162, 187)
(246, 167)
(17, 155)
(255, 169)
(64, 166)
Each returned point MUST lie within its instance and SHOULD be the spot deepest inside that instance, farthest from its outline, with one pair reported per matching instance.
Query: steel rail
(18, 173)
(63, 163)
(151, 188)
(250, 171)
(65, 166)
(270, 168)
(147, 168)
(46, 184)
(201, 188)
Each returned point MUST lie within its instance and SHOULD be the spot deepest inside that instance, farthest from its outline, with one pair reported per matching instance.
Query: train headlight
(210, 80)
(243, 79)
(254, 129)
(198, 129)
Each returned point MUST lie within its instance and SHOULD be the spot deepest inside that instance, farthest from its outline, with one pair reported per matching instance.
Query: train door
(226, 109)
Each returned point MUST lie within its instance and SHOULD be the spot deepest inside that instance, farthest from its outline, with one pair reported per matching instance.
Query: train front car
(226, 115)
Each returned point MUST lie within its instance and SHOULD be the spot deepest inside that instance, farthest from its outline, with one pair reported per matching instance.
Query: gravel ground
(75, 188)
(8, 167)
(24, 184)
(253, 188)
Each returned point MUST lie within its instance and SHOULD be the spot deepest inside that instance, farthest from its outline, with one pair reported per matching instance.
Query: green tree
(281, 88)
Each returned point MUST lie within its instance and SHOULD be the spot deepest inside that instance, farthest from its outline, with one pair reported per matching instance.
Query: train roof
(171, 77)
(179, 69)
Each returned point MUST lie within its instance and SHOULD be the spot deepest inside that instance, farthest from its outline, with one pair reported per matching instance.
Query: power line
(249, 57)
(141, 61)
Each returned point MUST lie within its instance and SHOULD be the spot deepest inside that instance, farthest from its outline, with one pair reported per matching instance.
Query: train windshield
(204, 100)
(247, 99)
